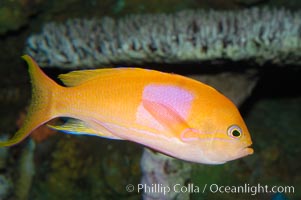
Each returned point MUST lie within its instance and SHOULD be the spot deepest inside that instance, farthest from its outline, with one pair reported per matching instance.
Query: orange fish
(170, 113)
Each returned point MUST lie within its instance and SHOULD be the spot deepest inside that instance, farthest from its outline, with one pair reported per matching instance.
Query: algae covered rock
(6, 186)
(87, 168)
(13, 15)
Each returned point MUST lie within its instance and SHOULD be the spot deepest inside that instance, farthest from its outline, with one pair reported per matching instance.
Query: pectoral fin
(172, 121)
(78, 127)
(166, 116)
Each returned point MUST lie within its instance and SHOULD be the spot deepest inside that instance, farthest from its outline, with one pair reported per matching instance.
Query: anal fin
(78, 127)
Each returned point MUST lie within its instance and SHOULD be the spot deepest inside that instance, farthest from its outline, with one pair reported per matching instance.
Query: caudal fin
(40, 109)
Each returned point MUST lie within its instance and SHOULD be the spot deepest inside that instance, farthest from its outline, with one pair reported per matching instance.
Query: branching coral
(260, 34)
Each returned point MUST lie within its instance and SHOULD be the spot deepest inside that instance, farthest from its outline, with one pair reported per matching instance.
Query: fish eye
(234, 131)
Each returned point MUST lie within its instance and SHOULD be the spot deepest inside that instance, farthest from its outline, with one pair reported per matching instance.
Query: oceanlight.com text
(212, 188)
(251, 189)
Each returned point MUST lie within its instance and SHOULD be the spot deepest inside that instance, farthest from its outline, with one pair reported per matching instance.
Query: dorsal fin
(75, 78)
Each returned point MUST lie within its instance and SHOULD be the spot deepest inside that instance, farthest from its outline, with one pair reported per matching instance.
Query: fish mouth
(246, 151)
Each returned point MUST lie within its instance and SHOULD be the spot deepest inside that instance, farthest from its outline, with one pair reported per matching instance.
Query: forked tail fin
(40, 109)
